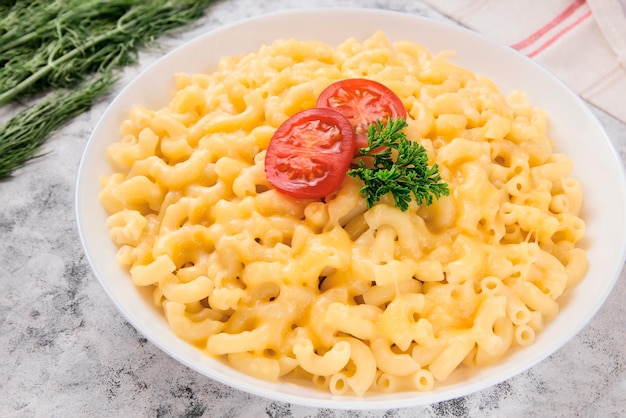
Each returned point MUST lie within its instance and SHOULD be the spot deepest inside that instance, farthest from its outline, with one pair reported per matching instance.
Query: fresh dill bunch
(22, 136)
(406, 177)
(46, 45)
(53, 48)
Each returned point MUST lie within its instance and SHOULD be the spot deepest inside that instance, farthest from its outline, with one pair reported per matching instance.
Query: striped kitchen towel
(581, 42)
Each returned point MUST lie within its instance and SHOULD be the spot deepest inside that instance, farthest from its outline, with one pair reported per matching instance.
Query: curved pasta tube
(328, 249)
(530, 219)
(346, 204)
(390, 362)
(450, 126)
(133, 147)
(469, 265)
(173, 145)
(224, 343)
(497, 127)
(531, 141)
(157, 271)
(523, 334)
(477, 199)
(379, 295)
(489, 312)
(573, 190)
(535, 299)
(516, 310)
(461, 150)
(254, 365)
(357, 320)
(503, 328)
(553, 277)
(412, 233)
(189, 98)
(556, 168)
(398, 321)
(576, 266)
(422, 120)
(250, 117)
(250, 180)
(571, 228)
(184, 244)
(364, 373)
(184, 210)
(225, 298)
(195, 290)
(126, 227)
(139, 193)
(173, 176)
(187, 329)
(331, 362)
(458, 345)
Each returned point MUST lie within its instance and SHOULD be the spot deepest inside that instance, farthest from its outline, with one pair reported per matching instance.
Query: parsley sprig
(406, 177)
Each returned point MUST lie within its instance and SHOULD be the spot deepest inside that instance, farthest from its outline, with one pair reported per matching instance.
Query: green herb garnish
(406, 177)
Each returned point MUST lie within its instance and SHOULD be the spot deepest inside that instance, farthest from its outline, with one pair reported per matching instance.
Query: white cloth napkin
(581, 42)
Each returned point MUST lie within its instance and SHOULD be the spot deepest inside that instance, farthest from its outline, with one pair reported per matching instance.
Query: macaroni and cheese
(348, 298)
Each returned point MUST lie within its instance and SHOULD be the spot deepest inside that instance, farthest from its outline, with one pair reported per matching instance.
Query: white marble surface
(66, 351)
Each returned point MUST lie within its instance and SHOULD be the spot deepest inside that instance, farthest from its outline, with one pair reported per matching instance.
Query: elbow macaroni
(354, 300)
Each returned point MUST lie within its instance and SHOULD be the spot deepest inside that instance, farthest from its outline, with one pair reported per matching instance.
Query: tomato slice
(309, 154)
(363, 102)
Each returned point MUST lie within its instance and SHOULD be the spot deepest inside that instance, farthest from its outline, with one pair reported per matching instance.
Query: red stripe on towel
(550, 25)
(559, 34)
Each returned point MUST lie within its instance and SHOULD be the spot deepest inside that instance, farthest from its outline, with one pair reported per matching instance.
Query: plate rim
(345, 402)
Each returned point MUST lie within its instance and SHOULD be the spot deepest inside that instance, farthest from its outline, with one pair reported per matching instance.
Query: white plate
(573, 128)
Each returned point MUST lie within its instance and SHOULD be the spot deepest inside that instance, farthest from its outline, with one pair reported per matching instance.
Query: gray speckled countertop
(66, 351)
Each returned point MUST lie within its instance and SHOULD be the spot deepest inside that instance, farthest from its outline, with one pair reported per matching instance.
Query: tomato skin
(362, 102)
(310, 153)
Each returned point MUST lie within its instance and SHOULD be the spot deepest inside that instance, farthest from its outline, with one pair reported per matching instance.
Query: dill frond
(56, 49)
(22, 137)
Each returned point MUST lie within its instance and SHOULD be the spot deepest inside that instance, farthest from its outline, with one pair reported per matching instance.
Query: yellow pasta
(354, 300)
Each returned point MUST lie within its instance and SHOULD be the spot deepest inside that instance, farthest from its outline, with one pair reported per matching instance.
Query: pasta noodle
(352, 299)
